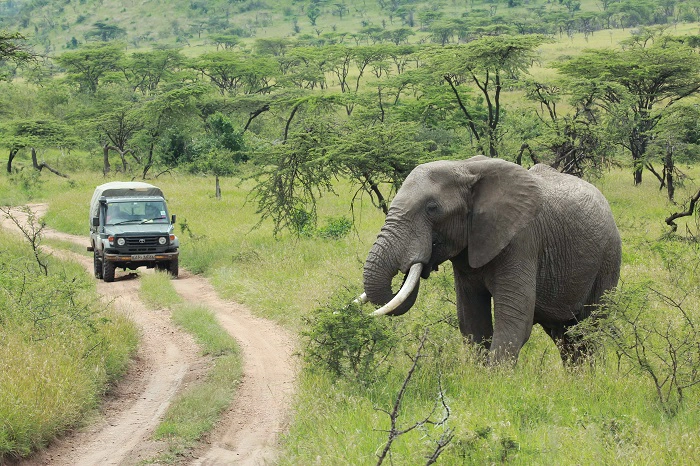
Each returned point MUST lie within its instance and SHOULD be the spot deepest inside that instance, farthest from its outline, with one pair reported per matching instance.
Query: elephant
(541, 244)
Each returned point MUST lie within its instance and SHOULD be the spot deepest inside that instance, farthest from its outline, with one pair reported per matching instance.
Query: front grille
(142, 243)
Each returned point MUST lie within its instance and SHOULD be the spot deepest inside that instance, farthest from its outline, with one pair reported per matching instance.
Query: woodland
(295, 122)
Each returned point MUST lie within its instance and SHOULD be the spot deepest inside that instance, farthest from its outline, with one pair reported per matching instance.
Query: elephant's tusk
(362, 299)
(408, 286)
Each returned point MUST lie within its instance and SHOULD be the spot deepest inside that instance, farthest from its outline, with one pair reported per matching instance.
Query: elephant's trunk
(406, 297)
(380, 268)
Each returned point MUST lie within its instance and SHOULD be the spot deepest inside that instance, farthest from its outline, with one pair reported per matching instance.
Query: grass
(60, 349)
(537, 413)
(194, 412)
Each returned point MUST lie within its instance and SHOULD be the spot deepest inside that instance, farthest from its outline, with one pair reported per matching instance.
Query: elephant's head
(444, 209)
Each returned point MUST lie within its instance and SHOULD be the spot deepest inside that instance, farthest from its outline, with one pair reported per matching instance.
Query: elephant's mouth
(437, 257)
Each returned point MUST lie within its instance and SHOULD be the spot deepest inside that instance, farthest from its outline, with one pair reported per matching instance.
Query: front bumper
(126, 260)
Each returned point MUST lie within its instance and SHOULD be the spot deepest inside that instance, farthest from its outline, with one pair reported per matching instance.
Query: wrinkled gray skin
(543, 245)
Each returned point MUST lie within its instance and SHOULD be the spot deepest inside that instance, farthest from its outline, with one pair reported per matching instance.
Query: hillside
(53, 26)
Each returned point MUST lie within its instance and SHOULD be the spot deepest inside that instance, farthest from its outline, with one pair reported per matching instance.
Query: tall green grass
(537, 413)
(60, 348)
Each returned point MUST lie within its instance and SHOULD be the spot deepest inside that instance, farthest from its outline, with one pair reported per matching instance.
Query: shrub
(335, 228)
(343, 340)
(651, 334)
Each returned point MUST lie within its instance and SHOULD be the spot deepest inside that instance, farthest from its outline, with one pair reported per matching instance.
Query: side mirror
(95, 221)
(172, 219)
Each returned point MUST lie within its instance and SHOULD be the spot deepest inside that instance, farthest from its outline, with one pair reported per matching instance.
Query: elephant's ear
(505, 197)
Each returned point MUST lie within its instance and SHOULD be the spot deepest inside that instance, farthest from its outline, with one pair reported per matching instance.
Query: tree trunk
(149, 163)
(122, 155)
(638, 146)
(42, 165)
(13, 153)
(669, 167)
(218, 188)
(105, 155)
(638, 167)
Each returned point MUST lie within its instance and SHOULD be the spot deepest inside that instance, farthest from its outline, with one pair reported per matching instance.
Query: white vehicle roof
(121, 189)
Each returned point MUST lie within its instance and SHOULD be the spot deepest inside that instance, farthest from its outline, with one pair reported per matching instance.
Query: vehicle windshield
(119, 213)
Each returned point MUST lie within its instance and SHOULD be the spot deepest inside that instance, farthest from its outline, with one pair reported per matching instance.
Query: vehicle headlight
(162, 240)
(121, 242)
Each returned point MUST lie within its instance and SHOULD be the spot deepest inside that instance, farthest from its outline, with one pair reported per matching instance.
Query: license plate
(143, 257)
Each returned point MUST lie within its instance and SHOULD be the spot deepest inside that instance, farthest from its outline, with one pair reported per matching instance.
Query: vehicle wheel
(108, 269)
(98, 266)
(173, 268)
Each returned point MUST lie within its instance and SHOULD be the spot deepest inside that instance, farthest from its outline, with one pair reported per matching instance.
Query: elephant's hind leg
(571, 347)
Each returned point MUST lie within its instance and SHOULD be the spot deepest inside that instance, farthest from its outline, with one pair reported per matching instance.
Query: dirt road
(167, 360)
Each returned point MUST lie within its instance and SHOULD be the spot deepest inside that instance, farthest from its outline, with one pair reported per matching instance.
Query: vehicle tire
(173, 268)
(108, 269)
(98, 266)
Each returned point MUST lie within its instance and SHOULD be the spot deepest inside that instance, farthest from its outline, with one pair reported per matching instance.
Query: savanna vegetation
(280, 132)
(60, 346)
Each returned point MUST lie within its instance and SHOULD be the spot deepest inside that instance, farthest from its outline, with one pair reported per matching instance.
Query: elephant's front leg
(473, 310)
(514, 295)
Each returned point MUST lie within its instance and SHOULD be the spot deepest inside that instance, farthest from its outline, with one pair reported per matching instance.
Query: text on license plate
(142, 257)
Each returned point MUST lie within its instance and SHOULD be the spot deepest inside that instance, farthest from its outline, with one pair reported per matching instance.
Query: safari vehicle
(130, 228)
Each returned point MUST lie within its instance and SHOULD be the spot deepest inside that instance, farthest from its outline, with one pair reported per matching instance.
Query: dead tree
(395, 432)
(670, 221)
(40, 166)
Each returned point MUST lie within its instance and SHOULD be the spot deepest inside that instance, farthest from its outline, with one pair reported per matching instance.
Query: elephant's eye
(433, 208)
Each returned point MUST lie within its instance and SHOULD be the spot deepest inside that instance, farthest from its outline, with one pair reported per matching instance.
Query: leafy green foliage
(489, 63)
(13, 48)
(631, 84)
(335, 228)
(344, 340)
(90, 64)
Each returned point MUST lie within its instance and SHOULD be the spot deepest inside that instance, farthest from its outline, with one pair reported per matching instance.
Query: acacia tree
(235, 73)
(166, 113)
(638, 85)
(34, 134)
(378, 155)
(486, 63)
(105, 32)
(91, 63)
(145, 71)
(13, 48)
(116, 121)
(348, 64)
(220, 150)
(574, 139)
(677, 139)
(375, 155)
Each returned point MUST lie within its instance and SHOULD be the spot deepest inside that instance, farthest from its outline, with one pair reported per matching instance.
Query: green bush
(335, 228)
(344, 340)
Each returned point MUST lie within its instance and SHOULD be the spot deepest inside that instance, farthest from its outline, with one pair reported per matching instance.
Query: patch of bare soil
(166, 362)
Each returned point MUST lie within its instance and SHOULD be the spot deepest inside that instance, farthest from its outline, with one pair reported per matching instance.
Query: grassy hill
(56, 25)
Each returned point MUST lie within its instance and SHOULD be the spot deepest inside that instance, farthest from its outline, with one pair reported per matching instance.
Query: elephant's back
(570, 197)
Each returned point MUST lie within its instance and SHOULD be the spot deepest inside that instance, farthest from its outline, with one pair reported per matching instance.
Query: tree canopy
(638, 84)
